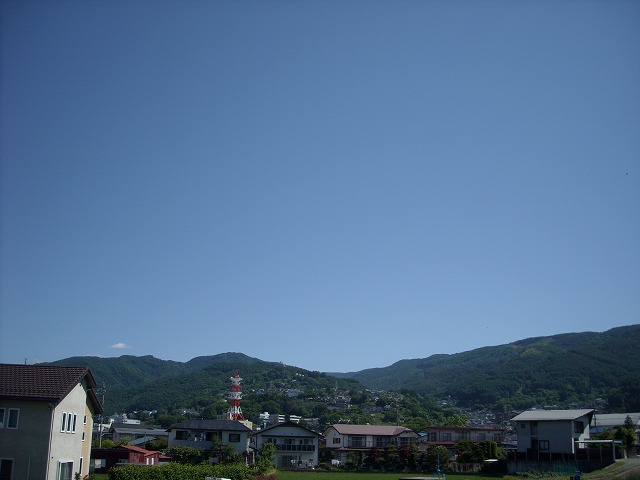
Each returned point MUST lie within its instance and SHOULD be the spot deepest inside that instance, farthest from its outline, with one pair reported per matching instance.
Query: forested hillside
(586, 369)
(573, 368)
(147, 383)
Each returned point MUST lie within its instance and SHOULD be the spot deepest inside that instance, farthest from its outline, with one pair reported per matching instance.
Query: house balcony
(283, 447)
(375, 444)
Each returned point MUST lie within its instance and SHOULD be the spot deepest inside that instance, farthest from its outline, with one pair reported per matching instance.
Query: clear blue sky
(336, 185)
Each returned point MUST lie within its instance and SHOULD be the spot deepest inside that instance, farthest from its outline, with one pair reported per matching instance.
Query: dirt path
(618, 470)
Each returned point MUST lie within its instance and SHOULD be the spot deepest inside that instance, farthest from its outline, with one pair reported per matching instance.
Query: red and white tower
(235, 395)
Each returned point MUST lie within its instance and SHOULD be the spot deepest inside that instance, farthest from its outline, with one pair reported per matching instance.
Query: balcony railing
(375, 444)
(283, 447)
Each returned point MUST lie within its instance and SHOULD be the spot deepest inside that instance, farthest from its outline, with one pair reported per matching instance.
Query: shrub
(175, 471)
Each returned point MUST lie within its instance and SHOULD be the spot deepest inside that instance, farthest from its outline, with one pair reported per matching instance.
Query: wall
(27, 445)
(67, 446)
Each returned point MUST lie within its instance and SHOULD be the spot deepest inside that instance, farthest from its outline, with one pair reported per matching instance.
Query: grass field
(615, 471)
(293, 475)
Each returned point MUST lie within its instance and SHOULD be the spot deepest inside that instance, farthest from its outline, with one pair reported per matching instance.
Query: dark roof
(135, 427)
(377, 430)
(552, 415)
(212, 425)
(46, 383)
(287, 424)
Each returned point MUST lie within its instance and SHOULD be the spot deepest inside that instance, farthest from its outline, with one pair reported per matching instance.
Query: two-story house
(296, 446)
(46, 418)
(343, 438)
(547, 432)
(447, 436)
(201, 434)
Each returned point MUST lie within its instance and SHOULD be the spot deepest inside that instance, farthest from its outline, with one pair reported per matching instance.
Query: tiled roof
(542, 415)
(376, 430)
(50, 383)
(212, 425)
(287, 424)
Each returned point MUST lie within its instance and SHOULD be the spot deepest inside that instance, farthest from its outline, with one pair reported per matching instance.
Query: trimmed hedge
(175, 471)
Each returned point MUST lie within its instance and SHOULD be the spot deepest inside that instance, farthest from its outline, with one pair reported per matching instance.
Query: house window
(433, 436)
(543, 444)
(1, 417)
(358, 442)
(69, 418)
(234, 437)
(482, 437)
(381, 442)
(578, 427)
(337, 440)
(65, 470)
(73, 425)
(6, 468)
(446, 437)
(12, 420)
(85, 420)
(181, 434)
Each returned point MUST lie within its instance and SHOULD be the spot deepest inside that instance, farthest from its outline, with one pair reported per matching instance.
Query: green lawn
(295, 475)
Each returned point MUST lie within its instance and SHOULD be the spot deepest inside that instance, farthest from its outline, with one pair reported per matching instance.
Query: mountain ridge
(559, 369)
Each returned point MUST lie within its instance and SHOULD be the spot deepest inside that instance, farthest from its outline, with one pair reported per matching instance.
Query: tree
(187, 455)
(354, 460)
(264, 462)
(391, 457)
(469, 452)
(157, 445)
(627, 433)
(374, 459)
(223, 452)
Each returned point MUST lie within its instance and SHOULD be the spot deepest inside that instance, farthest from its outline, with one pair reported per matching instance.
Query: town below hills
(589, 369)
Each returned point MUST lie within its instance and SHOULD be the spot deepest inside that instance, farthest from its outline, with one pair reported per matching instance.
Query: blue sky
(336, 185)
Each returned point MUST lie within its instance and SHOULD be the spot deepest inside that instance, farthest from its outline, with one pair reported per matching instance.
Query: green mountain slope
(554, 370)
(147, 383)
(562, 370)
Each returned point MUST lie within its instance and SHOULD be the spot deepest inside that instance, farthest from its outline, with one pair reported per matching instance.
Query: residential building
(449, 436)
(344, 438)
(552, 431)
(201, 434)
(296, 446)
(607, 421)
(552, 438)
(46, 419)
(103, 459)
(132, 432)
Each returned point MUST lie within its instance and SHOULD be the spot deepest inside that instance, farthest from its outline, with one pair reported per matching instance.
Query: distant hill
(570, 369)
(554, 370)
(147, 383)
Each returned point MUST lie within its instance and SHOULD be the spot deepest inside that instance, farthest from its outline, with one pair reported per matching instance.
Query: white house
(296, 446)
(46, 418)
(552, 431)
